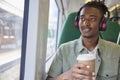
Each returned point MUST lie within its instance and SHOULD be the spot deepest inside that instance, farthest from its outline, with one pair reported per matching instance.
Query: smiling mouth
(86, 30)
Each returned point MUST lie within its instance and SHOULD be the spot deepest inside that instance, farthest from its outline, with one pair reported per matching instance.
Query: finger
(78, 65)
(81, 76)
(81, 71)
(82, 66)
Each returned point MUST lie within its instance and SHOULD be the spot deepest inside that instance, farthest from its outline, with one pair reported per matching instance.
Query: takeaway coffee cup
(87, 59)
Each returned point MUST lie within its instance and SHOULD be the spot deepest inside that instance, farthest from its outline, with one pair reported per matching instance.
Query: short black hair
(99, 5)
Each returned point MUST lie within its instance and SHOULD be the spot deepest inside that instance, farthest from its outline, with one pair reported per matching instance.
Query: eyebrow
(90, 16)
(93, 16)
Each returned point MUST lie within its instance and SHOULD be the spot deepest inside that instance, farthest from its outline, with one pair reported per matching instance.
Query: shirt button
(107, 75)
(98, 60)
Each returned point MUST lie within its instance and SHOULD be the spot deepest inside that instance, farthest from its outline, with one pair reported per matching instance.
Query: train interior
(31, 31)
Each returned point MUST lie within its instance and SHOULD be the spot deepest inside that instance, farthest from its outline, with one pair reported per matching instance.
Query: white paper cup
(87, 59)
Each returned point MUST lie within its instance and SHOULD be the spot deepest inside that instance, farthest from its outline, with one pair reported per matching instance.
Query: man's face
(89, 22)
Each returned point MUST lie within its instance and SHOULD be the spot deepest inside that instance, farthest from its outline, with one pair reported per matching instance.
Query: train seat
(69, 32)
(112, 32)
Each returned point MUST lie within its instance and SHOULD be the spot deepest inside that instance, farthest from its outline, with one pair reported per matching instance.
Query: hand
(65, 76)
(81, 72)
(77, 72)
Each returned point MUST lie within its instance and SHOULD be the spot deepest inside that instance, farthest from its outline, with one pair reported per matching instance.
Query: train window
(52, 28)
(11, 21)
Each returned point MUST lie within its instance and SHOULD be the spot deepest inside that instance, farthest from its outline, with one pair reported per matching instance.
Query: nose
(86, 22)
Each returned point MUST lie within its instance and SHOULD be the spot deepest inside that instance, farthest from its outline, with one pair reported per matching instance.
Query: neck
(90, 43)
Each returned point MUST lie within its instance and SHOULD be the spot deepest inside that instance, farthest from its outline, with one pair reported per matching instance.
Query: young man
(65, 66)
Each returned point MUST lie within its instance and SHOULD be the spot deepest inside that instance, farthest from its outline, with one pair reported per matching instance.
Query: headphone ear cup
(76, 22)
(103, 24)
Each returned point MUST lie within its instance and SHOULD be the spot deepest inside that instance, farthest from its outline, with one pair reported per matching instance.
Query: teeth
(86, 30)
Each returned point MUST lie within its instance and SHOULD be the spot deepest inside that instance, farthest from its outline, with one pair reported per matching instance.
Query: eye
(92, 19)
(82, 19)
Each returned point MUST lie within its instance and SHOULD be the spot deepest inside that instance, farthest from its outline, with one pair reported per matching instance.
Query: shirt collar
(80, 45)
(101, 45)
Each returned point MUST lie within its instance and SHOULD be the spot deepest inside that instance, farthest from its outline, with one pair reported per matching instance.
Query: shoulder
(70, 44)
(68, 48)
(108, 47)
(110, 44)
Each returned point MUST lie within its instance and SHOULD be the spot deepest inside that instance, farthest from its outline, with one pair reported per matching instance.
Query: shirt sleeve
(56, 66)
